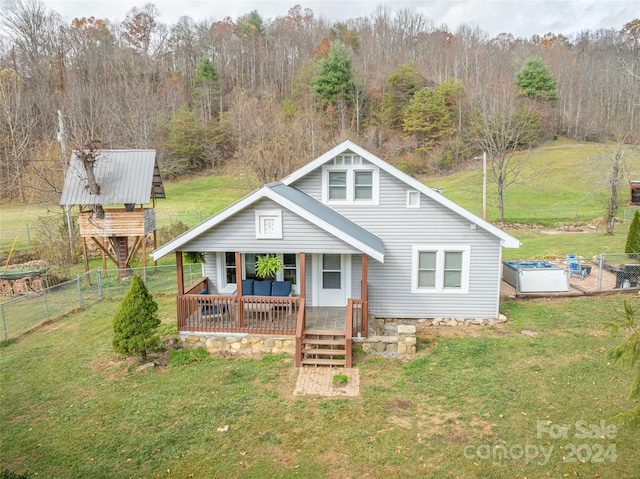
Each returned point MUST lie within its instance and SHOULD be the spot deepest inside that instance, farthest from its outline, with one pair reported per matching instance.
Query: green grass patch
(558, 183)
(445, 413)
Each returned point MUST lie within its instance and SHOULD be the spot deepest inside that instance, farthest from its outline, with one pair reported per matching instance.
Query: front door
(332, 279)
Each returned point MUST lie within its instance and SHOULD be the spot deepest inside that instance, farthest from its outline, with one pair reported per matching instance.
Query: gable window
(413, 199)
(440, 269)
(337, 185)
(347, 180)
(363, 185)
(268, 224)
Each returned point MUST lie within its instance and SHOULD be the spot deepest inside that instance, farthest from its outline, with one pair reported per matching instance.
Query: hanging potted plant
(267, 266)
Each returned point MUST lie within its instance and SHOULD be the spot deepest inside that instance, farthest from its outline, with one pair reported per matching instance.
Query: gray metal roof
(124, 176)
(322, 211)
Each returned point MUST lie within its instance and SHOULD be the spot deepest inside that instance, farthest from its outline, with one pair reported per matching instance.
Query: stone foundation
(389, 337)
(239, 344)
(401, 344)
(459, 322)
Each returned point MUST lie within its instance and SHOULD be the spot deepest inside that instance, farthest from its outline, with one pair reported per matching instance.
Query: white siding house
(351, 227)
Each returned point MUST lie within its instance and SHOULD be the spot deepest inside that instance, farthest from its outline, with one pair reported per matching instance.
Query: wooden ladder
(325, 348)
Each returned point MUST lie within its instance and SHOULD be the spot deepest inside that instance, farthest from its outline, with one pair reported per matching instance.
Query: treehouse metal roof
(124, 176)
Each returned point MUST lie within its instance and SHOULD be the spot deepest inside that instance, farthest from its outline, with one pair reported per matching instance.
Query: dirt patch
(113, 367)
(398, 403)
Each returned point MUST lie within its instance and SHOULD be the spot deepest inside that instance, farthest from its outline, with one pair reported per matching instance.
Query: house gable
(294, 201)
(312, 179)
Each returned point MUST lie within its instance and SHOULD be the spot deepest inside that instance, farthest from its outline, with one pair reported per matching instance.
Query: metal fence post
(99, 285)
(79, 292)
(28, 234)
(46, 308)
(4, 323)
(601, 258)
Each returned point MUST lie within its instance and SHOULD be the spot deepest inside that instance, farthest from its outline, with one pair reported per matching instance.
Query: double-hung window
(347, 180)
(440, 269)
(337, 185)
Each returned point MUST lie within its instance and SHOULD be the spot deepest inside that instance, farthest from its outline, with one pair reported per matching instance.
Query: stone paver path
(319, 381)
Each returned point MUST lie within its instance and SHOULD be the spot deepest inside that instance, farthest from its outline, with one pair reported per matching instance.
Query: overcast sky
(522, 18)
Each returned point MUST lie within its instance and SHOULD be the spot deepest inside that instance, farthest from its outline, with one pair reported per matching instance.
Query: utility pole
(66, 208)
(484, 185)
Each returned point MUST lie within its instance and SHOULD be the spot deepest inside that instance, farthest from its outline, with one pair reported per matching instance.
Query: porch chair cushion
(281, 288)
(247, 287)
(262, 288)
(208, 309)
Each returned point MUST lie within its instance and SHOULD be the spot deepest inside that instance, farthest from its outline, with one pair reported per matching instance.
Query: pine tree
(136, 321)
(427, 118)
(535, 80)
(335, 79)
(633, 238)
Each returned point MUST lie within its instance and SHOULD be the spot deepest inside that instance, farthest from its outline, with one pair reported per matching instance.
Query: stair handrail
(348, 336)
(300, 327)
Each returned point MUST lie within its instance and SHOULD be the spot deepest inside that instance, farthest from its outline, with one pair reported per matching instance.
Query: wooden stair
(324, 348)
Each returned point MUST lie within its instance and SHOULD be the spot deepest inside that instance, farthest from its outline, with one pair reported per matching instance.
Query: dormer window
(347, 180)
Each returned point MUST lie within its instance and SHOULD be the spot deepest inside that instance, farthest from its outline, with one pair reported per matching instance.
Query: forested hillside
(264, 95)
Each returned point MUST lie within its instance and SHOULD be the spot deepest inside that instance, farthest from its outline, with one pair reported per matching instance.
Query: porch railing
(229, 313)
(300, 327)
(357, 315)
(348, 336)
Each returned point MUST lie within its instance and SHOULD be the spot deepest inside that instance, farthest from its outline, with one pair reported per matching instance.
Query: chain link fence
(20, 315)
(624, 268)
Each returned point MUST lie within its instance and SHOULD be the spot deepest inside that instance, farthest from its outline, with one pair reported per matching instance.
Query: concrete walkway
(319, 381)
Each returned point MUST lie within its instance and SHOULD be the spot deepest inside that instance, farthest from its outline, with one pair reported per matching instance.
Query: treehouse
(121, 215)
(634, 193)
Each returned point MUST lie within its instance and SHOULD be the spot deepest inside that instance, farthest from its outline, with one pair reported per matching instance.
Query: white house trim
(506, 239)
(440, 250)
(265, 192)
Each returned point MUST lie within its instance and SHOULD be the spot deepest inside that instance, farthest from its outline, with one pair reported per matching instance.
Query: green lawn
(468, 405)
(70, 408)
(559, 182)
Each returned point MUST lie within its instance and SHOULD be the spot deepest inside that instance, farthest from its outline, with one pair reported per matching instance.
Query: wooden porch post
(180, 307)
(180, 273)
(303, 276)
(86, 261)
(239, 290)
(365, 296)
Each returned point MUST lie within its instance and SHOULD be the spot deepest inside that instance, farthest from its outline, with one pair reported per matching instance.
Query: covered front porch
(200, 311)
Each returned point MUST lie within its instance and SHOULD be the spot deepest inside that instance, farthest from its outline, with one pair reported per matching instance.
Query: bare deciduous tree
(501, 127)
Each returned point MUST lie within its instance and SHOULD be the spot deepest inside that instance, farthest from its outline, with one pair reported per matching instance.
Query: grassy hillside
(559, 183)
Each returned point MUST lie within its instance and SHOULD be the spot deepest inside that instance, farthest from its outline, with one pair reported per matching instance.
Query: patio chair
(573, 266)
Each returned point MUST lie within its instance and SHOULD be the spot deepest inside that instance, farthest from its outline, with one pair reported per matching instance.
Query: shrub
(135, 323)
(633, 238)
(340, 380)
